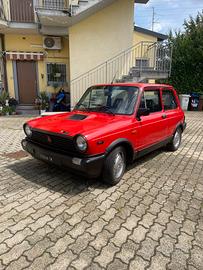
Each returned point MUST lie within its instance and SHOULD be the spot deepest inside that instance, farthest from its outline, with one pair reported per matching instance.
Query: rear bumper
(90, 166)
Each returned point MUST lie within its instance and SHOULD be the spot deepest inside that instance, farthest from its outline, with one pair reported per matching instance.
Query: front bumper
(90, 166)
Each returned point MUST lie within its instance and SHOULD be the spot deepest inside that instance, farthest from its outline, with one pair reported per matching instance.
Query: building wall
(100, 37)
(33, 43)
(139, 37)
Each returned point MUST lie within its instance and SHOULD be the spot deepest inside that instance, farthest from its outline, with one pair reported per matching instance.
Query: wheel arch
(126, 144)
(179, 125)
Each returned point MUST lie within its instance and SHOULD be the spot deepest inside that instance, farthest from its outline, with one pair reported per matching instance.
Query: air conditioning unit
(52, 43)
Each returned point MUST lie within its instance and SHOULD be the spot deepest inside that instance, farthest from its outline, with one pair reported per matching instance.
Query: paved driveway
(50, 219)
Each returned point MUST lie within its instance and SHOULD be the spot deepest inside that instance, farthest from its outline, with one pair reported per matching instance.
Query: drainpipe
(2, 45)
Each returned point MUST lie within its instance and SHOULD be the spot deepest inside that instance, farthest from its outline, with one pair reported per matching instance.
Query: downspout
(5, 81)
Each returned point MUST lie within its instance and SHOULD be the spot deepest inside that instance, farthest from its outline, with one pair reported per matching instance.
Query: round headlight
(28, 130)
(81, 143)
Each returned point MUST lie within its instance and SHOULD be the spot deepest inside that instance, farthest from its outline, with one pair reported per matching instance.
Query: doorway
(27, 82)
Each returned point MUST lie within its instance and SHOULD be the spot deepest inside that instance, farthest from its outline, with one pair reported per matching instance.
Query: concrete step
(27, 110)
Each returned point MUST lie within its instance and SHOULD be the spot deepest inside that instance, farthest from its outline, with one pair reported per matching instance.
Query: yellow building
(46, 44)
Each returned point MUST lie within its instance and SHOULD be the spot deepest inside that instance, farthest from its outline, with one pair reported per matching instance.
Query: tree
(187, 65)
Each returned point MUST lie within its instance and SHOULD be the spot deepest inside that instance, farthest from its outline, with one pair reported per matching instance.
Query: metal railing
(57, 5)
(141, 59)
(4, 7)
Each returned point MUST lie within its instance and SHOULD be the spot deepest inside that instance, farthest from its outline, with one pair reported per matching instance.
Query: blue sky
(169, 14)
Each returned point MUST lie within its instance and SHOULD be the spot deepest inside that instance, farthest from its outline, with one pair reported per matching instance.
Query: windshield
(109, 99)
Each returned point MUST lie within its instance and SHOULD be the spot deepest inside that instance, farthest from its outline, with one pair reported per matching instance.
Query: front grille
(54, 142)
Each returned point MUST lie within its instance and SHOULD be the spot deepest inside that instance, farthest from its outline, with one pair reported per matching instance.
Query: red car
(111, 126)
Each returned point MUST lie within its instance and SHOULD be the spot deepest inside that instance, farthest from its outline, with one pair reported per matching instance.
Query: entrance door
(27, 82)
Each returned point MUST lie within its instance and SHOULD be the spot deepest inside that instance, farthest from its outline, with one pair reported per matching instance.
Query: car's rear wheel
(176, 141)
(114, 166)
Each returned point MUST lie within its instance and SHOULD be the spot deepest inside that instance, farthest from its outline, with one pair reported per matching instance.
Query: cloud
(169, 14)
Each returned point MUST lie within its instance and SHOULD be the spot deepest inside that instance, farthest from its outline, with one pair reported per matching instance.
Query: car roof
(140, 85)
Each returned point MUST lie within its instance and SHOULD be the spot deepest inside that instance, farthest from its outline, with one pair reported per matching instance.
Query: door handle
(164, 116)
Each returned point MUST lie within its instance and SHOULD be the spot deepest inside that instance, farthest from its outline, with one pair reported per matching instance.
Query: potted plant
(4, 96)
(13, 103)
(7, 110)
(43, 101)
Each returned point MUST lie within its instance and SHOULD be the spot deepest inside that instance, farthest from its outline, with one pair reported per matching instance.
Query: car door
(170, 104)
(152, 128)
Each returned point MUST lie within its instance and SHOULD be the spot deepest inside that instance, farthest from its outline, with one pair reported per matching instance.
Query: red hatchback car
(110, 127)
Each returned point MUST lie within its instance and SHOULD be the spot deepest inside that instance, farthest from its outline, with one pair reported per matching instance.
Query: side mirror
(142, 112)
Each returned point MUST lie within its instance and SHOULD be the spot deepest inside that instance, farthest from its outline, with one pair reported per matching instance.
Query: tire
(114, 166)
(176, 141)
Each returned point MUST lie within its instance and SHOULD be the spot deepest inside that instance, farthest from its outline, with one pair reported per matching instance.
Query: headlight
(28, 130)
(81, 143)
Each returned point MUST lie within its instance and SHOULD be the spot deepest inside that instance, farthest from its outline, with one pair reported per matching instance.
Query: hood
(78, 122)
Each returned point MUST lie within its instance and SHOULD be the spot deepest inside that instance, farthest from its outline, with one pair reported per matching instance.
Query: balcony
(53, 13)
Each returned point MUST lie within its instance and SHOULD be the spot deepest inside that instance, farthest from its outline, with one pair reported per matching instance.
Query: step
(26, 107)
(28, 112)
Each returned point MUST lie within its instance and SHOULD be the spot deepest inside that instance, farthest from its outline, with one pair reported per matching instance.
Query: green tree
(187, 65)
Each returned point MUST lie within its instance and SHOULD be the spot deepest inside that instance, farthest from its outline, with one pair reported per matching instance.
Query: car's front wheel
(176, 141)
(114, 166)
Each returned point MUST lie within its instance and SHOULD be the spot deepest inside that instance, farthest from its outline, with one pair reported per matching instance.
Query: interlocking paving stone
(153, 219)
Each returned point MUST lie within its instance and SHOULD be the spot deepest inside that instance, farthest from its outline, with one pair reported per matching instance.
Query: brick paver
(153, 219)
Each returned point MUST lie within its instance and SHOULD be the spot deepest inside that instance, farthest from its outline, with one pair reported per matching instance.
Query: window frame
(160, 98)
(175, 99)
(52, 83)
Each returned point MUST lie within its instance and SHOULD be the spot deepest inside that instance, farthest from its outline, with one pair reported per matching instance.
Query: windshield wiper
(86, 109)
(107, 110)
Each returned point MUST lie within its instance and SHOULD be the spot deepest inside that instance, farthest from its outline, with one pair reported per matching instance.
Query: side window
(169, 100)
(151, 100)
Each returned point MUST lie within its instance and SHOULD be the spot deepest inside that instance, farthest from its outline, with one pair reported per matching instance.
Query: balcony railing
(4, 10)
(58, 5)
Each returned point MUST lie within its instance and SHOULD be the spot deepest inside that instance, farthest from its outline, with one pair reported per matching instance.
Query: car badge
(64, 132)
(49, 139)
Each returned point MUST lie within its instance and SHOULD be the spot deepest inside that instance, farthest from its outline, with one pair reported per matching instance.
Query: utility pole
(153, 19)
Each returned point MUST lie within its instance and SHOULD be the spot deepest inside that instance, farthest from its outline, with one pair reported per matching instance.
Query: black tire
(109, 172)
(176, 140)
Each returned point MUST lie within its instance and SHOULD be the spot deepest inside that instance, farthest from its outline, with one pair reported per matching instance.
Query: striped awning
(28, 56)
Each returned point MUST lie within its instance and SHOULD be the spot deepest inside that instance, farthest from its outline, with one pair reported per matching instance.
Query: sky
(169, 14)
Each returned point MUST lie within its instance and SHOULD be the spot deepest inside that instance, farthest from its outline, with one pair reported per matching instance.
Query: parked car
(111, 126)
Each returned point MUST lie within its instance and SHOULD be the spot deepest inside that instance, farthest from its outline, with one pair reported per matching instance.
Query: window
(169, 100)
(151, 100)
(56, 74)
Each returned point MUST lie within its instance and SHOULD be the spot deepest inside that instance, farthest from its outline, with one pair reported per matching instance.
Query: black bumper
(90, 166)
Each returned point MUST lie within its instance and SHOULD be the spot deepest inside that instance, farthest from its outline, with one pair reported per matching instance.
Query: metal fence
(3, 10)
(53, 4)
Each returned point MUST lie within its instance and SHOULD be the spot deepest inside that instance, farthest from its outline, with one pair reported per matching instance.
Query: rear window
(169, 100)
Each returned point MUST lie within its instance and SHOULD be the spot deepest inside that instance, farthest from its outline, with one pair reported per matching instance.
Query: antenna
(153, 18)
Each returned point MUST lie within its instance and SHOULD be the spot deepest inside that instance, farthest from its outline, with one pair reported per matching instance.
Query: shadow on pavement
(38, 173)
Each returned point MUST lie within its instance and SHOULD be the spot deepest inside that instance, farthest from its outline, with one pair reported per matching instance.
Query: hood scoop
(78, 117)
